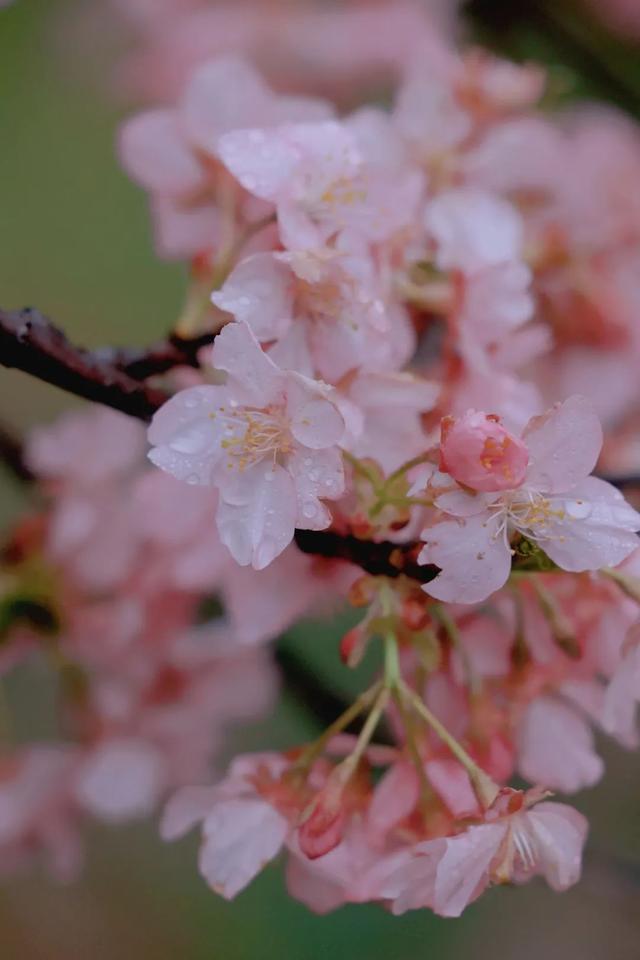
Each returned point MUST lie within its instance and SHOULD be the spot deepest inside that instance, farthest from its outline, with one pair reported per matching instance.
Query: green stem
(392, 676)
(349, 765)
(365, 471)
(486, 789)
(409, 465)
(426, 791)
(314, 749)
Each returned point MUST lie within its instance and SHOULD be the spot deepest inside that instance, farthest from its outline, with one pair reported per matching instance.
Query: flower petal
(156, 155)
(252, 377)
(259, 292)
(463, 872)
(241, 836)
(317, 474)
(474, 558)
(260, 522)
(316, 421)
(559, 833)
(186, 439)
(555, 747)
(564, 445)
(597, 528)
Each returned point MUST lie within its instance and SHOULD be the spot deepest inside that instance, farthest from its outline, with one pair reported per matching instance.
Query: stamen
(252, 435)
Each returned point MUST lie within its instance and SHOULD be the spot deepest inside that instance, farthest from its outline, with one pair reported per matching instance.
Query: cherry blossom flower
(384, 416)
(174, 153)
(242, 830)
(581, 523)
(87, 459)
(519, 838)
(266, 438)
(473, 229)
(324, 311)
(319, 179)
(37, 815)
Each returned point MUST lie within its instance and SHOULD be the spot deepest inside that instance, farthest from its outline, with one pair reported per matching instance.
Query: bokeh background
(75, 241)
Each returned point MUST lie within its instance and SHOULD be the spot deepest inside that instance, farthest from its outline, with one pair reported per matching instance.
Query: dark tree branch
(384, 559)
(140, 363)
(31, 343)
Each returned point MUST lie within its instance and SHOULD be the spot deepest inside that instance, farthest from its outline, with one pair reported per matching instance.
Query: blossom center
(251, 435)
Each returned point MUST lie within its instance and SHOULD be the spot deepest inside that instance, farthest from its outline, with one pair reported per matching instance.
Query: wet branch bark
(30, 342)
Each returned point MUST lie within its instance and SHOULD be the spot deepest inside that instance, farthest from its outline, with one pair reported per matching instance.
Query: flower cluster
(419, 317)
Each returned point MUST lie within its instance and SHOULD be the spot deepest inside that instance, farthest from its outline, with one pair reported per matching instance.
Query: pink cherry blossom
(120, 780)
(174, 152)
(582, 523)
(325, 312)
(384, 416)
(340, 51)
(518, 840)
(37, 815)
(266, 438)
(473, 229)
(556, 742)
(321, 182)
(87, 459)
(242, 831)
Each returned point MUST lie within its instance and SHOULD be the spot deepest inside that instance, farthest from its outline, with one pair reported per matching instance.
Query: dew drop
(577, 509)
(309, 511)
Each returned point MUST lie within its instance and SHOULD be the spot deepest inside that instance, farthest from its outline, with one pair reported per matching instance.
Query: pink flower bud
(323, 822)
(478, 452)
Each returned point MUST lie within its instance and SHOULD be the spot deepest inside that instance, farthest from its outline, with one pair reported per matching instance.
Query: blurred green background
(75, 241)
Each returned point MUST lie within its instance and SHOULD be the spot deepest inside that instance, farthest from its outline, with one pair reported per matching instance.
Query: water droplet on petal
(577, 509)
